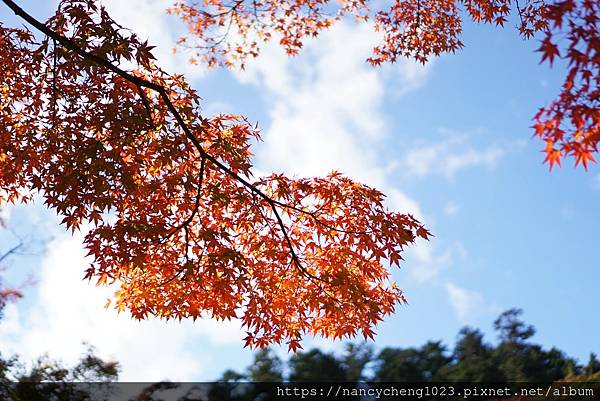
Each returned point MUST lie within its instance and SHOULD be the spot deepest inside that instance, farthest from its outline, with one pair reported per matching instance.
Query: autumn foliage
(178, 221)
(570, 125)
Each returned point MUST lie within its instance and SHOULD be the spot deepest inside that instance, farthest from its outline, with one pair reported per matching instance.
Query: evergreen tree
(521, 361)
(316, 366)
(473, 359)
(410, 364)
(267, 367)
(355, 359)
(593, 365)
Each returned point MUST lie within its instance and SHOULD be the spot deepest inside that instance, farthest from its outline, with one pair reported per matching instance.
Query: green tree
(316, 366)
(267, 367)
(49, 380)
(355, 359)
(593, 365)
(411, 364)
(473, 359)
(511, 329)
(520, 360)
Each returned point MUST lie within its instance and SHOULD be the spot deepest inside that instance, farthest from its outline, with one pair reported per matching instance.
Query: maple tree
(421, 29)
(179, 223)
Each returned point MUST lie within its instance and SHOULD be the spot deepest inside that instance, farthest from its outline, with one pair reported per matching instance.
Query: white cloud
(326, 105)
(67, 311)
(406, 75)
(448, 156)
(216, 107)
(424, 264)
(472, 157)
(461, 251)
(467, 304)
(398, 200)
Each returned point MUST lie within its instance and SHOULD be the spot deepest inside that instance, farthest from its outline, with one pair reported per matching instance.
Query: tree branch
(196, 205)
(11, 251)
(144, 83)
(54, 70)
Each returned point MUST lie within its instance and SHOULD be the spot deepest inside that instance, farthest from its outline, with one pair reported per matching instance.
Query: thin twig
(11, 251)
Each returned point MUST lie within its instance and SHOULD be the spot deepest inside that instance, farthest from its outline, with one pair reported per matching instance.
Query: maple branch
(140, 83)
(232, 8)
(170, 279)
(146, 106)
(54, 69)
(267, 221)
(313, 214)
(187, 244)
(295, 260)
(214, 42)
(520, 12)
(230, 11)
(187, 221)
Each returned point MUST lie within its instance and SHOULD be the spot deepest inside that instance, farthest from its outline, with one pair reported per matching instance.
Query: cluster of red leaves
(421, 29)
(417, 30)
(177, 222)
(570, 125)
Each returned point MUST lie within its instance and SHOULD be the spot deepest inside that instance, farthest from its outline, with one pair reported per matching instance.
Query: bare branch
(11, 251)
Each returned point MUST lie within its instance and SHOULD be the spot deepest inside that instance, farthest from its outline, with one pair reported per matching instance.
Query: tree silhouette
(411, 365)
(316, 366)
(266, 367)
(472, 360)
(511, 329)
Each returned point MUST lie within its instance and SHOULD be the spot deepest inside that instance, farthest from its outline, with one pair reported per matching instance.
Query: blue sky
(449, 141)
